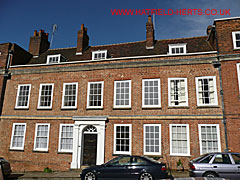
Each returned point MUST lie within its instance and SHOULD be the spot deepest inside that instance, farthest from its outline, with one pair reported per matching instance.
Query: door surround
(80, 122)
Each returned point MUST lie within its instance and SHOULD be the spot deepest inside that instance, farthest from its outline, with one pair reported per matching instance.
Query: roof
(131, 49)
(226, 19)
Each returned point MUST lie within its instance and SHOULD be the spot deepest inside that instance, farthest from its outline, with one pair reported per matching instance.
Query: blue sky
(18, 20)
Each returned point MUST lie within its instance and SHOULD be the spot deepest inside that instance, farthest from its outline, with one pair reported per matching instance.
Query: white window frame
(35, 142)
(234, 39)
(52, 56)
(88, 94)
(97, 52)
(200, 136)
(188, 140)
(39, 97)
(130, 94)
(169, 92)
(60, 137)
(63, 94)
(13, 130)
(144, 140)
(130, 139)
(215, 90)
(238, 73)
(159, 93)
(18, 91)
(171, 46)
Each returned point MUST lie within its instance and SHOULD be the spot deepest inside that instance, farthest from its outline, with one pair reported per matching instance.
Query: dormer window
(52, 59)
(236, 40)
(99, 55)
(175, 49)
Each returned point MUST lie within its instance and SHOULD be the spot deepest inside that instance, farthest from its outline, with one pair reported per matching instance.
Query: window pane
(95, 94)
(122, 140)
(151, 93)
(122, 93)
(152, 139)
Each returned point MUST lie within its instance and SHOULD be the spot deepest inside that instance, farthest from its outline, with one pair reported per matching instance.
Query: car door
(116, 169)
(138, 165)
(223, 166)
(236, 159)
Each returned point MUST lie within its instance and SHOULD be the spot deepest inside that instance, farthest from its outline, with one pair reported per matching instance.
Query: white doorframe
(80, 123)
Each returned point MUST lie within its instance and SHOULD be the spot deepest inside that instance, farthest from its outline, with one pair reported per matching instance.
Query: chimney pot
(82, 27)
(150, 19)
(35, 33)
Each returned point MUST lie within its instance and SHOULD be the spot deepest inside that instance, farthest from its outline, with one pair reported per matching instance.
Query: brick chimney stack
(82, 40)
(149, 33)
(38, 43)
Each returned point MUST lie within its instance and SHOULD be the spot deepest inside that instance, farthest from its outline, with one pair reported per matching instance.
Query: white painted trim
(188, 140)
(13, 130)
(60, 137)
(234, 39)
(159, 138)
(238, 74)
(78, 53)
(97, 52)
(51, 56)
(79, 126)
(63, 94)
(130, 139)
(200, 137)
(223, 19)
(169, 92)
(18, 91)
(88, 93)
(41, 149)
(39, 96)
(159, 93)
(112, 59)
(130, 94)
(215, 90)
(181, 45)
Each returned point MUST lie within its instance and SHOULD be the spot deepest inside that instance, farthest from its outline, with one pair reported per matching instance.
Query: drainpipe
(5, 77)
(217, 64)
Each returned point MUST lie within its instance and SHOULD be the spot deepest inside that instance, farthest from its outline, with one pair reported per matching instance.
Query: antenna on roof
(54, 28)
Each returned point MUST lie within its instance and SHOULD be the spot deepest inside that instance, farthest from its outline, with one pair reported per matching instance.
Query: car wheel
(146, 176)
(210, 174)
(90, 176)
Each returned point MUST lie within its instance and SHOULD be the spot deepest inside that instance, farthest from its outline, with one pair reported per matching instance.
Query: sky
(19, 19)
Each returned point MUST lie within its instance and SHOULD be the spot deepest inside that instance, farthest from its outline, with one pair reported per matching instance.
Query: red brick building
(162, 98)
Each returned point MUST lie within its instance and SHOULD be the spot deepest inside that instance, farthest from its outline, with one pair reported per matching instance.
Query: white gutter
(112, 59)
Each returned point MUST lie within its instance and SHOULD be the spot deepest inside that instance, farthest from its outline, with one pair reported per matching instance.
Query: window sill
(151, 108)
(62, 152)
(65, 109)
(39, 151)
(122, 108)
(18, 150)
(44, 109)
(178, 107)
(94, 108)
(180, 155)
(208, 106)
(236, 49)
(119, 154)
(21, 108)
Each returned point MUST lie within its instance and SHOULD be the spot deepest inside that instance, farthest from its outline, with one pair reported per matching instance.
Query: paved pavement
(71, 175)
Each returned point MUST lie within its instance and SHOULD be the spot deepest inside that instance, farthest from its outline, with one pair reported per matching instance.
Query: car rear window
(198, 159)
(236, 158)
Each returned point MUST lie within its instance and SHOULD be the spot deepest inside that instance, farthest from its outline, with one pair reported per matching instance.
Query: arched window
(90, 129)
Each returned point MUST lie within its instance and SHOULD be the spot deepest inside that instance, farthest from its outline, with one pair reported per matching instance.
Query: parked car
(226, 165)
(5, 166)
(127, 167)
